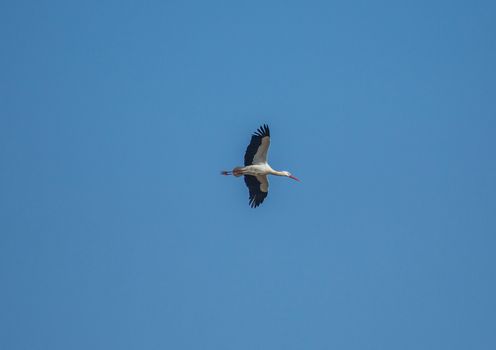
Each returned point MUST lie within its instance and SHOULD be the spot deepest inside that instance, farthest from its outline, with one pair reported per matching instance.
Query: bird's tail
(236, 172)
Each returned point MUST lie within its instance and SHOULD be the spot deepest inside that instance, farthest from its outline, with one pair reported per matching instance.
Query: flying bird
(256, 167)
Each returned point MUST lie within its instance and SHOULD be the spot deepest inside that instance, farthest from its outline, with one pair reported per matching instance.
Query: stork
(256, 167)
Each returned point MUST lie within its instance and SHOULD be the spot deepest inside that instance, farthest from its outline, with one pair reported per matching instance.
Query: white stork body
(256, 167)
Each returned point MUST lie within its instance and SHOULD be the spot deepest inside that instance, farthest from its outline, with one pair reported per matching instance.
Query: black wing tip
(255, 201)
(257, 198)
(262, 131)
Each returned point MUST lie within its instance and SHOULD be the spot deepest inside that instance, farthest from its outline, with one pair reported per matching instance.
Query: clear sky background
(117, 231)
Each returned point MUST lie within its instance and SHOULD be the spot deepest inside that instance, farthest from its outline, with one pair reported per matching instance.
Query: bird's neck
(278, 173)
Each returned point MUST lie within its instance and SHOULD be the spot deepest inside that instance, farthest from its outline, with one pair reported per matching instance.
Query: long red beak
(294, 178)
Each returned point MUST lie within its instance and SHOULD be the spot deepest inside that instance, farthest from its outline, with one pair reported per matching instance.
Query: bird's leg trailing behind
(238, 171)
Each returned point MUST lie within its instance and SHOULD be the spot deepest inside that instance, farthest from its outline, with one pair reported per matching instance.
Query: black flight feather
(256, 195)
(256, 141)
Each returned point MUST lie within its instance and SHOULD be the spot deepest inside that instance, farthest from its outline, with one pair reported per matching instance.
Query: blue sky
(117, 231)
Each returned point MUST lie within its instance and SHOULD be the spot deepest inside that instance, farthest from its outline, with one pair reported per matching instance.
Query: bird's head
(288, 174)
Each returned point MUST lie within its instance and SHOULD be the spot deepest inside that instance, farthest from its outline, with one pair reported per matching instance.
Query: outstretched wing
(256, 152)
(258, 186)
